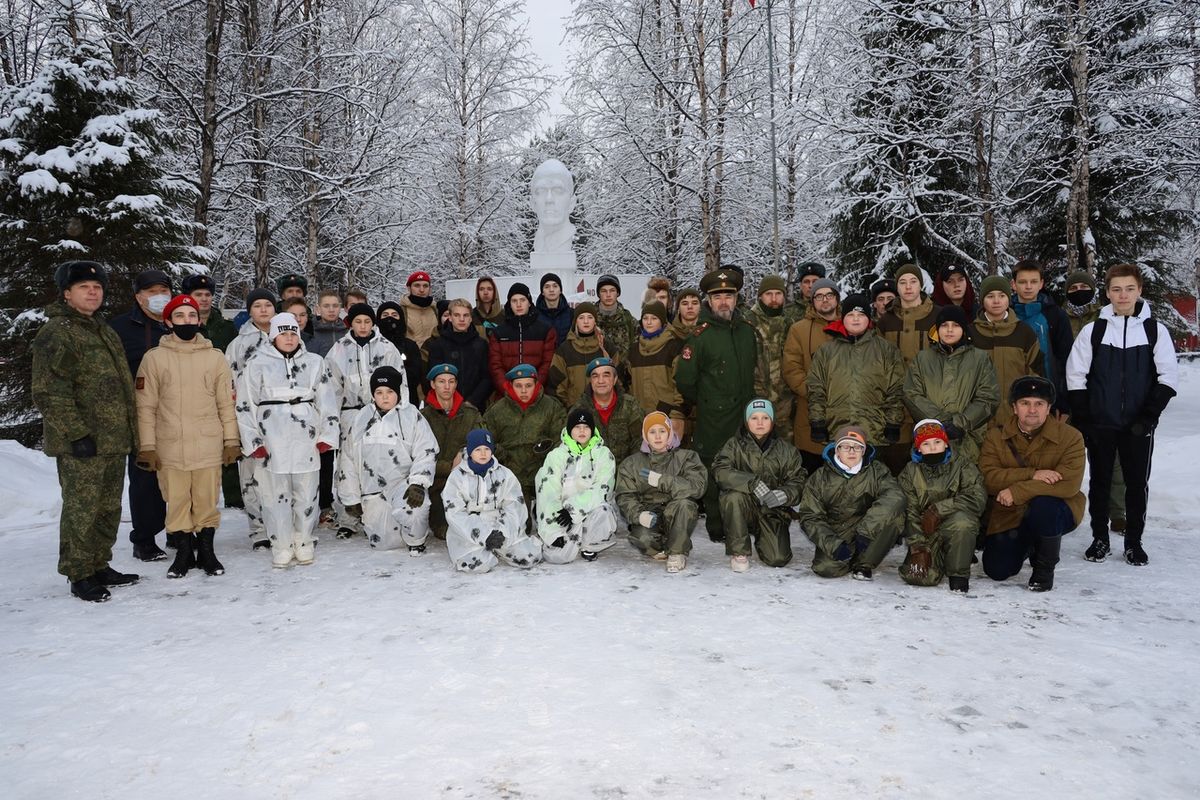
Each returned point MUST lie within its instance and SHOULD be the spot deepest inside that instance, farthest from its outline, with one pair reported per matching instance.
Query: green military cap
(721, 280)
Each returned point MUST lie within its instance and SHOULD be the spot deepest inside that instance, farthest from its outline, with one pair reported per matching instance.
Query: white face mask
(157, 303)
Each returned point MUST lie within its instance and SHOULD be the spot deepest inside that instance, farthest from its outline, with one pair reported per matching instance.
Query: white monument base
(540, 263)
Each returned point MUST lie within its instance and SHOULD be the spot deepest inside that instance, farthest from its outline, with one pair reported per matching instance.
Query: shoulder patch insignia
(686, 354)
(700, 329)
(141, 383)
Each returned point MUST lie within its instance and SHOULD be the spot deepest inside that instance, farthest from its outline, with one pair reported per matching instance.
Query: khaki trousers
(191, 496)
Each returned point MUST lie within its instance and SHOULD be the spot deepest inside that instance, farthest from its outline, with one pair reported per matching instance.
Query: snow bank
(29, 492)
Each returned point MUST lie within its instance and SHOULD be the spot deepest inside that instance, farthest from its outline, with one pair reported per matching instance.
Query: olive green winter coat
(82, 385)
(219, 331)
(525, 435)
(856, 381)
(838, 508)
(908, 328)
(954, 386)
(741, 464)
(771, 326)
(1013, 347)
(956, 492)
(674, 500)
(715, 372)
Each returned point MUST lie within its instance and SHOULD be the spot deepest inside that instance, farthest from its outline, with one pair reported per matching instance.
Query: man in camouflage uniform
(771, 325)
(617, 325)
(527, 424)
(84, 390)
(715, 373)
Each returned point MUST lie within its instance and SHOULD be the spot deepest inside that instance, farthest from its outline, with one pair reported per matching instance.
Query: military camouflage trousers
(91, 513)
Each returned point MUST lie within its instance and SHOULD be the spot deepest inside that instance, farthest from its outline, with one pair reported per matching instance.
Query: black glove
(563, 517)
(494, 541)
(1143, 426)
(1156, 403)
(891, 433)
(543, 446)
(819, 430)
(559, 542)
(415, 495)
(83, 448)
(953, 432)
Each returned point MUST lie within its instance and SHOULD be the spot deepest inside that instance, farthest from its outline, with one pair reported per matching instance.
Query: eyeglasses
(824, 296)
(851, 448)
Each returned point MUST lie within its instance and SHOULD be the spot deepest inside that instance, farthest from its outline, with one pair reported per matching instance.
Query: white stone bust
(552, 196)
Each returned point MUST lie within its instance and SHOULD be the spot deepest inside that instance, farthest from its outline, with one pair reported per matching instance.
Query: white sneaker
(676, 562)
(739, 564)
(304, 553)
(281, 555)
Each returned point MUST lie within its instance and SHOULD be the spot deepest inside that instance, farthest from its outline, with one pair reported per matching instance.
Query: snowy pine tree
(82, 175)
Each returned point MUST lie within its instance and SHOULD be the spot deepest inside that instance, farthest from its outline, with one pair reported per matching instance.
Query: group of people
(531, 431)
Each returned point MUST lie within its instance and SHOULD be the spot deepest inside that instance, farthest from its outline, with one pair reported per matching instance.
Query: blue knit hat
(760, 404)
(480, 438)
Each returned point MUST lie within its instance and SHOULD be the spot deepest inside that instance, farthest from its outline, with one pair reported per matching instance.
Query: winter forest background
(358, 140)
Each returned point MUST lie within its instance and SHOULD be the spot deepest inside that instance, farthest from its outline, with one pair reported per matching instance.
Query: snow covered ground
(371, 674)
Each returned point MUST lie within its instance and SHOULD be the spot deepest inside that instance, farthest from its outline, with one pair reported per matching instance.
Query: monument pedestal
(540, 263)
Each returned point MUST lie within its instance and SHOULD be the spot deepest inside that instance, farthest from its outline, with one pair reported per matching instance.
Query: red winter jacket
(520, 340)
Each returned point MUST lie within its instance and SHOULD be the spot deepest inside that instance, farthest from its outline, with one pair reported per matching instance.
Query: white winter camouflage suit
(579, 478)
(241, 351)
(351, 366)
(287, 404)
(478, 506)
(384, 454)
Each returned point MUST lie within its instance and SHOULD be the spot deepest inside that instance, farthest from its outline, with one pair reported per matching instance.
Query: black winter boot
(110, 577)
(149, 552)
(172, 541)
(206, 557)
(1045, 556)
(960, 585)
(185, 557)
(88, 589)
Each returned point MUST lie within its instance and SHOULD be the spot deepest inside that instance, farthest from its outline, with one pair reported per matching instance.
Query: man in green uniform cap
(715, 373)
(84, 389)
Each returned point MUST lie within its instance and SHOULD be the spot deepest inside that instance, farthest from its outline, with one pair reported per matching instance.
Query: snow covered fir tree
(84, 173)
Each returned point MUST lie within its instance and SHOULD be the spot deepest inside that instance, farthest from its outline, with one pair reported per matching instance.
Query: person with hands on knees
(526, 424)
(486, 516)
(761, 476)
(658, 492)
(1033, 467)
(1121, 374)
(387, 466)
(575, 512)
(287, 412)
(945, 499)
(187, 429)
(451, 417)
(852, 509)
(83, 388)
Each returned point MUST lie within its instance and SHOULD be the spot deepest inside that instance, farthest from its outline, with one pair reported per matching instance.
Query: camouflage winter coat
(450, 428)
(622, 431)
(771, 327)
(82, 385)
(619, 329)
(954, 386)
(525, 435)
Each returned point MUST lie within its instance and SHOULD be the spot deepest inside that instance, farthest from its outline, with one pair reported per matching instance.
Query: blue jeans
(1005, 553)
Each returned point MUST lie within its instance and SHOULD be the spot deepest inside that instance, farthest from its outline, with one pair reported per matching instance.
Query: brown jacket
(803, 339)
(184, 394)
(1056, 446)
(422, 321)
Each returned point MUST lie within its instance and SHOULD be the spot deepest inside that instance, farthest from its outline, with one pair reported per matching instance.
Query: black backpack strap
(1098, 328)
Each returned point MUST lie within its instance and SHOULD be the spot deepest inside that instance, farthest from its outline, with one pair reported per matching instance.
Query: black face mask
(1081, 297)
(933, 459)
(185, 332)
(422, 302)
(391, 327)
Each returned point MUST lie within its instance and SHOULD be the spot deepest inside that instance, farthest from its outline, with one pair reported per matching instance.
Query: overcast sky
(547, 28)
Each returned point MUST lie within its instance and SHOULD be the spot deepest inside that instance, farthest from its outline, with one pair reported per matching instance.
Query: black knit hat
(1031, 386)
(384, 306)
(259, 294)
(358, 310)
(70, 273)
(954, 314)
(193, 283)
(387, 376)
(608, 280)
(547, 278)
(580, 416)
(856, 302)
(519, 288)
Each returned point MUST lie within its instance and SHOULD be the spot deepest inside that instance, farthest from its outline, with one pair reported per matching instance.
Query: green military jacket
(82, 385)
(619, 329)
(956, 486)
(450, 430)
(856, 381)
(743, 461)
(623, 432)
(219, 331)
(715, 373)
(519, 432)
(957, 386)
(771, 327)
(683, 477)
(836, 505)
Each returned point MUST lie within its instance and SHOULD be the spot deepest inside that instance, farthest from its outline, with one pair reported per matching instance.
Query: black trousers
(146, 504)
(1005, 553)
(1104, 446)
(325, 481)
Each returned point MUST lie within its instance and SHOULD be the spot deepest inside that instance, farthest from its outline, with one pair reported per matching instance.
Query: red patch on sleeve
(141, 383)
(686, 355)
